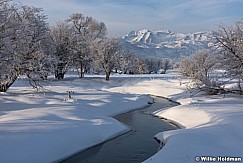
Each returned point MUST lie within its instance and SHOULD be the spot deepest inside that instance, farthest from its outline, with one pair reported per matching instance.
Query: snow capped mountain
(148, 37)
(164, 43)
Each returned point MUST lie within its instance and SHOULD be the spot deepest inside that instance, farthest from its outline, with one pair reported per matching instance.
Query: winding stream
(134, 146)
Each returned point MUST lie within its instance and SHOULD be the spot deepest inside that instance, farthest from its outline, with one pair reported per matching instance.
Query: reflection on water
(135, 146)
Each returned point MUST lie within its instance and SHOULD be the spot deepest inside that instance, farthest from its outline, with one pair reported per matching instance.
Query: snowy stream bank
(44, 127)
(135, 146)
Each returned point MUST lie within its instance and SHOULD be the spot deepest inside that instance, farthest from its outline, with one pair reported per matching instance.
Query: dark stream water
(134, 146)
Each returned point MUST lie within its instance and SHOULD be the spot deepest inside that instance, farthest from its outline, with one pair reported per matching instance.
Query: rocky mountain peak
(161, 43)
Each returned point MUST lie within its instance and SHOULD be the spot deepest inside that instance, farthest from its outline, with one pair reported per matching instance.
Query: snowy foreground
(46, 126)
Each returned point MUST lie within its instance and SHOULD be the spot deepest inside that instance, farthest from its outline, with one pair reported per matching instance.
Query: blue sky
(123, 16)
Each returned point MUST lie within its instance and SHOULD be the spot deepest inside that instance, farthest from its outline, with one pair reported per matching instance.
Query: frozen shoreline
(212, 129)
(125, 131)
(144, 126)
(212, 122)
(82, 150)
(175, 123)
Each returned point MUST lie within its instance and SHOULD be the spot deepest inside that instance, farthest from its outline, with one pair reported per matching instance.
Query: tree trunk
(59, 75)
(59, 72)
(107, 76)
(3, 87)
(81, 70)
(7, 84)
(239, 85)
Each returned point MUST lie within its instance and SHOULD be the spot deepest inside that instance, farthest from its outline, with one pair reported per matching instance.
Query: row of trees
(28, 46)
(82, 43)
(211, 70)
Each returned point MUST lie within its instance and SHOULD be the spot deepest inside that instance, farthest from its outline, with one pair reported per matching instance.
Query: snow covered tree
(125, 61)
(7, 74)
(86, 30)
(63, 37)
(34, 46)
(106, 54)
(24, 34)
(165, 65)
(230, 40)
(156, 64)
(128, 63)
(153, 64)
(200, 68)
(139, 66)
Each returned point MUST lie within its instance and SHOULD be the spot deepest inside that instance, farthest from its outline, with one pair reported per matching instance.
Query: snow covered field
(46, 126)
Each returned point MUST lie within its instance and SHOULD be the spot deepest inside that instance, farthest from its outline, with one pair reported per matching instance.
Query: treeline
(219, 70)
(29, 46)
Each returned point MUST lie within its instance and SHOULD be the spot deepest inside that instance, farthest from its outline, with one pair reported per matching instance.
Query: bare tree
(8, 74)
(35, 45)
(138, 66)
(129, 63)
(86, 30)
(125, 59)
(230, 40)
(23, 34)
(165, 65)
(106, 54)
(153, 64)
(156, 64)
(63, 37)
(200, 68)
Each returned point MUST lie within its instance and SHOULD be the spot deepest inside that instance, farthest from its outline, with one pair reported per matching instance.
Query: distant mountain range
(167, 44)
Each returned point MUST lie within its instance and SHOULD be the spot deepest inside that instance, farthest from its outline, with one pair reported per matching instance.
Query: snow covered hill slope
(164, 43)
